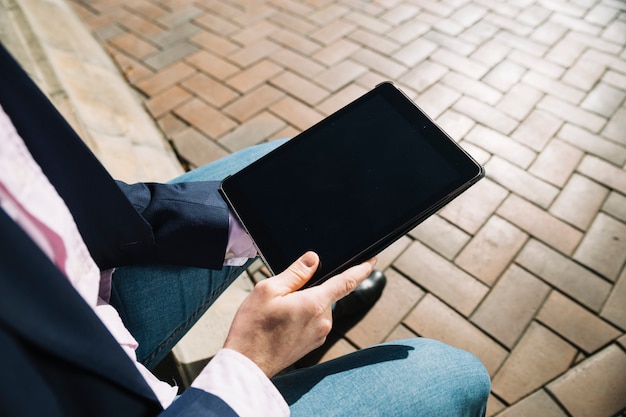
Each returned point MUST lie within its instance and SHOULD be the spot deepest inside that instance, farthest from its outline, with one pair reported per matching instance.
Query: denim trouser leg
(160, 303)
(408, 378)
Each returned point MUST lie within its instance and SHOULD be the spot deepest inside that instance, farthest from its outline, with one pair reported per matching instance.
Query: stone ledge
(69, 65)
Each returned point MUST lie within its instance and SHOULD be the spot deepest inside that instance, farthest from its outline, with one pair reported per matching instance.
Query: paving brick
(540, 224)
(437, 99)
(424, 75)
(254, 76)
(441, 236)
(616, 127)
(398, 299)
(336, 52)
(140, 25)
(196, 148)
(554, 88)
(295, 41)
(254, 52)
(491, 250)
(512, 24)
(167, 100)
(518, 102)
(480, 34)
(462, 64)
(604, 247)
(372, 23)
(171, 125)
(415, 52)
(376, 42)
(253, 102)
(501, 145)
(584, 74)
(297, 113)
(476, 89)
(471, 209)
(494, 406)
(485, 114)
(297, 63)
(176, 36)
(561, 272)
(400, 13)
(455, 124)
(204, 117)
(252, 33)
(615, 32)
(572, 114)
(307, 91)
(298, 24)
(604, 173)
(452, 43)
(615, 205)
(537, 130)
(521, 43)
(539, 357)
(579, 326)
(400, 333)
(215, 23)
(601, 14)
(379, 62)
(408, 31)
(579, 201)
(433, 319)
(332, 31)
(209, 90)
(556, 163)
(511, 305)
(439, 276)
(214, 43)
(521, 182)
(134, 46)
(491, 52)
(596, 387)
(537, 65)
(340, 75)
(537, 404)
(178, 17)
(252, 132)
(170, 54)
(603, 99)
(212, 65)
(505, 75)
(165, 78)
(593, 144)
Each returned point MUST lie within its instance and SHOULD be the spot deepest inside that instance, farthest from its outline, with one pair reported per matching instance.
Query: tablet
(350, 185)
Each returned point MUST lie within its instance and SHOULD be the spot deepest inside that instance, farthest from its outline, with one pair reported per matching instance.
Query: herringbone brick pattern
(527, 269)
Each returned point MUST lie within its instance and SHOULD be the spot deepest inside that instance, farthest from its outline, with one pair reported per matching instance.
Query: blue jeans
(415, 377)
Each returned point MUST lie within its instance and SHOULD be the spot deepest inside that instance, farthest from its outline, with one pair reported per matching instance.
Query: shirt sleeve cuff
(240, 246)
(242, 385)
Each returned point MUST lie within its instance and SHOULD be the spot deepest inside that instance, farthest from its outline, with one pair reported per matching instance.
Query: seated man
(99, 279)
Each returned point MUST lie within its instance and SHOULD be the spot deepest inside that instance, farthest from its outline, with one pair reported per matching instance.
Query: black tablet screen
(353, 182)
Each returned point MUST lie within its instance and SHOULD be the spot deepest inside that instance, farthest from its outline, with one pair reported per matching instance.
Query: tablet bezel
(234, 187)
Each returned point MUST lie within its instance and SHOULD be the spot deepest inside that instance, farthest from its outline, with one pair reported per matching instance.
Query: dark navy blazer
(56, 356)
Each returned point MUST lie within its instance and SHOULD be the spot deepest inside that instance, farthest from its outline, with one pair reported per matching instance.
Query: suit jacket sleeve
(189, 221)
(197, 403)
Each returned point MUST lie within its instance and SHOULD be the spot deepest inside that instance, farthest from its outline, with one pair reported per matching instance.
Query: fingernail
(308, 259)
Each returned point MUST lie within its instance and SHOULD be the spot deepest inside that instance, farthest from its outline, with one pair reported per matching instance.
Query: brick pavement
(527, 269)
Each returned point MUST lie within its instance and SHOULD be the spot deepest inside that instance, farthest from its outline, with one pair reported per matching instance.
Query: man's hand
(276, 324)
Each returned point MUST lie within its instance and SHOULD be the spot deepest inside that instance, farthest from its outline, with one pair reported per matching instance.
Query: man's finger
(299, 272)
(343, 284)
